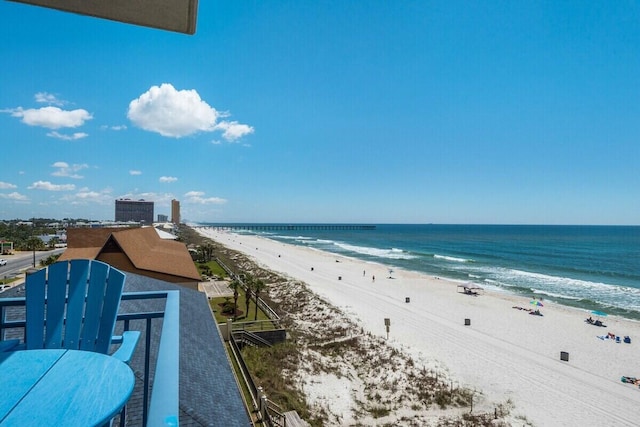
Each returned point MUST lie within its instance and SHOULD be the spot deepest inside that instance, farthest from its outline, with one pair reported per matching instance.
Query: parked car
(3, 262)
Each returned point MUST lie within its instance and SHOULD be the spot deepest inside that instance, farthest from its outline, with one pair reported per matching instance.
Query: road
(19, 262)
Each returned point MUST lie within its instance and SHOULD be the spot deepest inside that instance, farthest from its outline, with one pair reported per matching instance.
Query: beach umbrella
(537, 303)
(599, 313)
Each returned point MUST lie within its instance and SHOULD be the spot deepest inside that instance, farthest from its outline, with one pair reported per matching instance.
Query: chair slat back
(36, 287)
(55, 304)
(73, 304)
(115, 285)
(94, 300)
(78, 274)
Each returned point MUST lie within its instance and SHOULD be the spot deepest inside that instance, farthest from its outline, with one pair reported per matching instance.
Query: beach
(489, 343)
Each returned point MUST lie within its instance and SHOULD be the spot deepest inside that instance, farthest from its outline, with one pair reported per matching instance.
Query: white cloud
(168, 179)
(6, 185)
(48, 98)
(52, 117)
(172, 113)
(116, 127)
(197, 197)
(68, 171)
(135, 172)
(14, 196)
(234, 130)
(46, 185)
(77, 135)
(85, 196)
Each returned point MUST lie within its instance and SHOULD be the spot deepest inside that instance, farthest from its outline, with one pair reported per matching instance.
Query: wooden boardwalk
(292, 419)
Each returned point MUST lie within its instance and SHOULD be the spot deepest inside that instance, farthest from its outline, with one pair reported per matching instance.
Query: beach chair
(74, 305)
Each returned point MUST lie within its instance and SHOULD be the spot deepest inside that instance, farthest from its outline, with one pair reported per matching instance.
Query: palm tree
(235, 284)
(208, 252)
(53, 242)
(201, 256)
(258, 286)
(34, 243)
(248, 283)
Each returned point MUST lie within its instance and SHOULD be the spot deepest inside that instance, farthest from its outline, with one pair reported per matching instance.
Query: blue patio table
(62, 388)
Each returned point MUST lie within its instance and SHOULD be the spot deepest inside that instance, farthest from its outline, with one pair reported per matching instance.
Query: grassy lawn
(241, 316)
(211, 268)
(8, 280)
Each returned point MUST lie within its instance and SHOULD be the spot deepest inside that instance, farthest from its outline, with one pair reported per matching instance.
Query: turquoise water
(591, 267)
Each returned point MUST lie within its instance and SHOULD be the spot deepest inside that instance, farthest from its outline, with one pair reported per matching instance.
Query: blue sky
(328, 111)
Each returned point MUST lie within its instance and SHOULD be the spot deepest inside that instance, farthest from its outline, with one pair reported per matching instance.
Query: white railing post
(263, 404)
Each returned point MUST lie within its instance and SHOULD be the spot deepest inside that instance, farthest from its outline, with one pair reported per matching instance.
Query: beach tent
(468, 288)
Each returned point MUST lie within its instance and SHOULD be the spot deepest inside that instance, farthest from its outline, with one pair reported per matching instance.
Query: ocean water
(590, 267)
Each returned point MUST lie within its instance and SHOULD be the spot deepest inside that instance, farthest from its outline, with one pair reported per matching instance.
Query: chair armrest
(8, 345)
(129, 341)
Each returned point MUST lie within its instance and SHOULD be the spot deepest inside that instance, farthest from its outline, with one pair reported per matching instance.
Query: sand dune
(505, 353)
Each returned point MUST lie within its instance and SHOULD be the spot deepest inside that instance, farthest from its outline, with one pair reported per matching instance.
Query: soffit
(172, 15)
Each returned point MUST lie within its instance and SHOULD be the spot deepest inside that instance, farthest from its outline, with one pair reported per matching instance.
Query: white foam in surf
(564, 287)
(451, 258)
(392, 253)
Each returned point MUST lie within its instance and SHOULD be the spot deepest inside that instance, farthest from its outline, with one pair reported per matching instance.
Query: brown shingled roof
(80, 253)
(88, 237)
(147, 251)
(85, 243)
(144, 248)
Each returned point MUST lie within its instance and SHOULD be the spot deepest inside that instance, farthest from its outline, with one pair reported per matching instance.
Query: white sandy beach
(505, 353)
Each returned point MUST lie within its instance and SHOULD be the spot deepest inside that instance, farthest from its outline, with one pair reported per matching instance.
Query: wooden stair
(292, 419)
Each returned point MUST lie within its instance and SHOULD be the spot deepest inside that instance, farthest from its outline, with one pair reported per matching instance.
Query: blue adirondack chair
(74, 305)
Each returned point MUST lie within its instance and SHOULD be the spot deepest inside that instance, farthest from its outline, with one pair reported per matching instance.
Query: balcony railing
(160, 344)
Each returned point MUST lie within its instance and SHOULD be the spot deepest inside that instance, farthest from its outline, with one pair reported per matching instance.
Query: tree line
(25, 236)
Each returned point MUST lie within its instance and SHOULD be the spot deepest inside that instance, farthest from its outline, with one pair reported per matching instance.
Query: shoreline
(505, 353)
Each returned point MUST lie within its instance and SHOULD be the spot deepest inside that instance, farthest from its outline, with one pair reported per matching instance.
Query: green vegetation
(218, 304)
(23, 235)
(243, 385)
(49, 260)
(268, 368)
(7, 280)
(211, 268)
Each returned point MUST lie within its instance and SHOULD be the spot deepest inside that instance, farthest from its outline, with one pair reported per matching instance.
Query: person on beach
(373, 278)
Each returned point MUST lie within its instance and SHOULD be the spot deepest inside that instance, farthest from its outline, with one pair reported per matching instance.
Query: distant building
(134, 210)
(175, 211)
(163, 218)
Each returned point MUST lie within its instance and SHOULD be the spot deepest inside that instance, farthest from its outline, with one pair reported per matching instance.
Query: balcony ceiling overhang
(171, 15)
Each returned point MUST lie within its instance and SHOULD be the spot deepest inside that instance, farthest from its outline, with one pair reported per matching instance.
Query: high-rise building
(163, 218)
(175, 211)
(134, 210)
